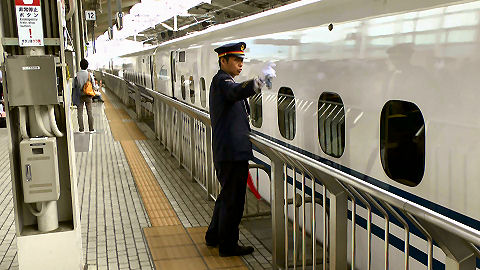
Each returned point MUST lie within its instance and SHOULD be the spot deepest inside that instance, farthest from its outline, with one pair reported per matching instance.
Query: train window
(286, 112)
(182, 86)
(331, 124)
(192, 89)
(402, 142)
(256, 110)
(203, 92)
(181, 56)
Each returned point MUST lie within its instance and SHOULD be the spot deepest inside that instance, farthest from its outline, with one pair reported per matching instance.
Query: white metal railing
(300, 188)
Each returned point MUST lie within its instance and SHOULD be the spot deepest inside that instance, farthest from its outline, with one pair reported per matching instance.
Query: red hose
(252, 187)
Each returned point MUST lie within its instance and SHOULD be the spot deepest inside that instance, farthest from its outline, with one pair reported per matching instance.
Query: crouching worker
(232, 149)
(98, 94)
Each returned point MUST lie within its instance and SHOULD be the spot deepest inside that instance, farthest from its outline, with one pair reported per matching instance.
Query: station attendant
(232, 149)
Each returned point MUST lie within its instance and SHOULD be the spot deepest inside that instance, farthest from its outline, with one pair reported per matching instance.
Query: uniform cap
(237, 49)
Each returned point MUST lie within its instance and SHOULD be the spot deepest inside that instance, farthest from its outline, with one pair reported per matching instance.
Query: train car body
(383, 90)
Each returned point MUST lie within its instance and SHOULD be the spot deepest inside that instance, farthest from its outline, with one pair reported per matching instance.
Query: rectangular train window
(182, 86)
(181, 56)
(402, 142)
(256, 110)
(331, 124)
(192, 90)
(203, 92)
(286, 112)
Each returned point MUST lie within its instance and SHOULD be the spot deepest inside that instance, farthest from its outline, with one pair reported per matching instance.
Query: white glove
(268, 73)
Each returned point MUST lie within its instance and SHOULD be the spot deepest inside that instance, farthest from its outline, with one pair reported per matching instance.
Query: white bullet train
(386, 90)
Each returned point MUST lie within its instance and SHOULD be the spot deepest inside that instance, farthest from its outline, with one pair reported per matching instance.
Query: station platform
(139, 209)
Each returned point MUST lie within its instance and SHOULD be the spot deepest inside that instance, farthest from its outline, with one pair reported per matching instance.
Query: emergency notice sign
(29, 23)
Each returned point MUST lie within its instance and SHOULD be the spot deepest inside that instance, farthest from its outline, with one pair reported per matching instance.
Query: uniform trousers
(229, 206)
(87, 100)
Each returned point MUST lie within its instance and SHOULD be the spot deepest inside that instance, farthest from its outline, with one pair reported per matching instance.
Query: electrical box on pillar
(37, 79)
(40, 170)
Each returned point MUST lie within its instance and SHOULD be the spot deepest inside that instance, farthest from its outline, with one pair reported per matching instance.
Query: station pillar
(37, 89)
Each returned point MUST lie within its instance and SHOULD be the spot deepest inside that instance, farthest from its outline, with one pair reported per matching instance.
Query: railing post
(209, 162)
(459, 253)
(156, 116)
(467, 263)
(278, 215)
(138, 103)
(193, 141)
(338, 220)
(180, 141)
(338, 231)
(169, 134)
(163, 123)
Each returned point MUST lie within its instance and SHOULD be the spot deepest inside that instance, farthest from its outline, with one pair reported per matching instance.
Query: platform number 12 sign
(90, 15)
(29, 23)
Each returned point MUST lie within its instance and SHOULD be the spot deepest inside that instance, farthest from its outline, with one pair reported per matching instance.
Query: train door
(152, 72)
(173, 60)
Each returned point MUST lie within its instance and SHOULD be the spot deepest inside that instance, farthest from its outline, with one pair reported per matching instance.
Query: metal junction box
(31, 80)
(39, 163)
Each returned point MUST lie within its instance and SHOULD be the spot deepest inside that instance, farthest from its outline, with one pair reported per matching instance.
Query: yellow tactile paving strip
(171, 245)
(121, 125)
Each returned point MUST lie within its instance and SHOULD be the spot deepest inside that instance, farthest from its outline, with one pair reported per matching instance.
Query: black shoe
(211, 244)
(237, 251)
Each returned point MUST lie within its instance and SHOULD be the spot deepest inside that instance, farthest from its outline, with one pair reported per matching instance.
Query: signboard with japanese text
(29, 23)
(90, 15)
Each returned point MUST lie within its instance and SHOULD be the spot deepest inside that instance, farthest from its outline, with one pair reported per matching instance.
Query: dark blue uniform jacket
(228, 114)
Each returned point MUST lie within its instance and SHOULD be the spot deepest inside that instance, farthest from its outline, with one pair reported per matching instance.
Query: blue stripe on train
(379, 232)
(411, 197)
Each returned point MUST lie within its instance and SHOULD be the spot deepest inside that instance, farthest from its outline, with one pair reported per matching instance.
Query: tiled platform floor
(112, 210)
(8, 246)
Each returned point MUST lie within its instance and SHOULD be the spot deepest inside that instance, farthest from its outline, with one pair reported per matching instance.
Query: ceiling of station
(205, 15)
(101, 7)
(201, 17)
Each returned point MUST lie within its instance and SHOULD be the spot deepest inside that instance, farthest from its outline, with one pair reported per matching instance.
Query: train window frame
(192, 89)
(331, 110)
(406, 147)
(288, 134)
(203, 92)
(182, 57)
(256, 110)
(182, 87)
